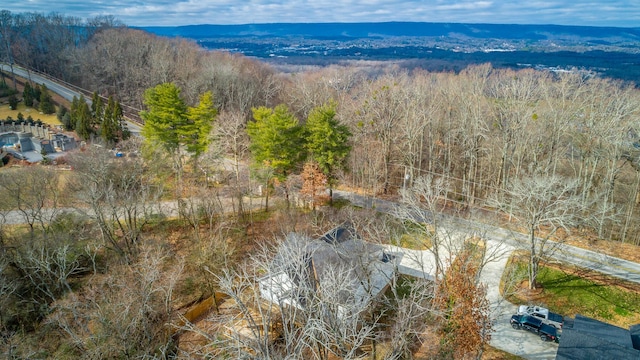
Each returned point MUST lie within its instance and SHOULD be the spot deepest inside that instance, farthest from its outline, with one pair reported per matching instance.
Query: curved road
(55, 87)
(500, 244)
(609, 265)
(67, 91)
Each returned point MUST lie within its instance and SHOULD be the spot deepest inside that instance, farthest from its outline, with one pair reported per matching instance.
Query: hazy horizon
(601, 13)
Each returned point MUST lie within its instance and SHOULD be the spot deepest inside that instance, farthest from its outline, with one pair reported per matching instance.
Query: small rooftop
(362, 270)
(592, 339)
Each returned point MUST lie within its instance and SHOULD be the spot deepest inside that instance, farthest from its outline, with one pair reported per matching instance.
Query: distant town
(610, 52)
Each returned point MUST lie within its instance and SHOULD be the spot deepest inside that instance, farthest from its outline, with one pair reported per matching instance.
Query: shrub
(46, 105)
(5, 90)
(66, 122)
(126, 134)
(13, 102)
(62, 111)
(28, 94)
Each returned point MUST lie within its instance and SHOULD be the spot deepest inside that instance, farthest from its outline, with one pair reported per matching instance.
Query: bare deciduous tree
(123, 315)
(8, 286)
(385, 105)
(234, 142)
(412, 305)
(422, 207)
(116, 195)
(33, 193)
(544, 205)
(8, 34)
(282, 305)
(205, 205)
(516, 98)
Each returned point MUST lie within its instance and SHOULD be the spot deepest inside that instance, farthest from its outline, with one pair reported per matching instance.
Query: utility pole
(406, 178)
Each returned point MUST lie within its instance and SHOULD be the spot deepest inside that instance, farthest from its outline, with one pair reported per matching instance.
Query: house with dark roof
(588, 338)
(338, 266)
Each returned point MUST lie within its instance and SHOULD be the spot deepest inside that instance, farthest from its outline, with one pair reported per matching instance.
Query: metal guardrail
(131, 114)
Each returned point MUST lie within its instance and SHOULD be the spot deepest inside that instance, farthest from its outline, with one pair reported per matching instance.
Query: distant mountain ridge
(395, 29)
(606, 51)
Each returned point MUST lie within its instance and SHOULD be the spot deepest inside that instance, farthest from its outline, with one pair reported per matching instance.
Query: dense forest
(115, 282)
(436, 47)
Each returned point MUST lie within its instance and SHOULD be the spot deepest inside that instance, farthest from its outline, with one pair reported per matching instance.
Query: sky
(620, 13)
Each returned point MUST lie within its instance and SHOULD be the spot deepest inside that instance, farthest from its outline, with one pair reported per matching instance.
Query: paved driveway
(500, 244)
(504, 337)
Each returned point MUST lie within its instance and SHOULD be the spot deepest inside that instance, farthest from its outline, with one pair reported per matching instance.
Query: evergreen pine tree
(196, 133)
(27, 94)
(45, 159)
(276, 139)
(166, 115)
(109, 128)
(327, 141)
(73, 115)
(83, 119)
(35, 91)
(277, 144)
(117, 116)
(97, 109)
(46, 102)
(13, 102)
(62, 110)
(66, 121)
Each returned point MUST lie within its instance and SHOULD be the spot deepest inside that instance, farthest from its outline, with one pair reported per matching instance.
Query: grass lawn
(415, 236)
(35, 114)
(414, 241)
(571, 291)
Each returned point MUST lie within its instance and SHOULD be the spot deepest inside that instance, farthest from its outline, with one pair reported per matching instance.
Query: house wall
(33, 137)
(27, 145)
(276, 289)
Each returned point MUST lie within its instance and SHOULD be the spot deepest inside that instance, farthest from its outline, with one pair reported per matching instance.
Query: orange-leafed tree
(464, 306)
(314, 184)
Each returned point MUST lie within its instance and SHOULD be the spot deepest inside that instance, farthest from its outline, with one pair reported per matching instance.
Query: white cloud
(473, 5)
(184, 12)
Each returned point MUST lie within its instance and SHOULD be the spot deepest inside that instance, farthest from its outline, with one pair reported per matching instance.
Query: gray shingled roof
(593, 339)
(364, 267)
(602, 330)
(635, 336)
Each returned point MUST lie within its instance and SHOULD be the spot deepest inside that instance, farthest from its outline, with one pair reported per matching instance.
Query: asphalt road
(55, 87)
(500, 243)
(609, 265)
(65, 90)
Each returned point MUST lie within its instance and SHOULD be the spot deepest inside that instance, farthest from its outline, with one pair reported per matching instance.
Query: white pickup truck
(547, 317)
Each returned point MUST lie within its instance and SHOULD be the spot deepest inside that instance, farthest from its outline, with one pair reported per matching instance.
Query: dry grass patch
(6, 112)
(491, 353)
